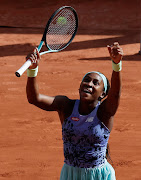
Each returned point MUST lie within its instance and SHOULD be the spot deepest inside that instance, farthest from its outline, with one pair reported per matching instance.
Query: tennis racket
(59, 32)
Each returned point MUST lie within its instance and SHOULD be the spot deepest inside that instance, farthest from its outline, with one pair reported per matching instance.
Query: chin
(86, 99)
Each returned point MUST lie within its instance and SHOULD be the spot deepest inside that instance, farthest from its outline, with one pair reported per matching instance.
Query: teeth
(87, 91)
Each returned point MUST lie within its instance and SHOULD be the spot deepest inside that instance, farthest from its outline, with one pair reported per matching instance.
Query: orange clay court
(31, 146)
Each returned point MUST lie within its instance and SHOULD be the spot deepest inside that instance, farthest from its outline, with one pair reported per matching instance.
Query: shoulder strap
(94, 112)
(75, 108)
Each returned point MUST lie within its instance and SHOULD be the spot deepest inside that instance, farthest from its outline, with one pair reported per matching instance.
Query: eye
(95, 82)
(86, 79)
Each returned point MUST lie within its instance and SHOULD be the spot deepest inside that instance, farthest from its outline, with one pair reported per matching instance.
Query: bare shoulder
(104, 116)
(63, 102)
(66, 109)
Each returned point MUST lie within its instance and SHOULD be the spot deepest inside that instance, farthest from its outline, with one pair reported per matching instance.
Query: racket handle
(23, 68)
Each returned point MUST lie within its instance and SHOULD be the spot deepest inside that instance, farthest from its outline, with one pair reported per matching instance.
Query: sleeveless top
(85, 139)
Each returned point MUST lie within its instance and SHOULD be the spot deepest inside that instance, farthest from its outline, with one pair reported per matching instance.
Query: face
(91, 88)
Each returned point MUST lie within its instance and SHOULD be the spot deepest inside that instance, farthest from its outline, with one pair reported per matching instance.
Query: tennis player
(87, 121)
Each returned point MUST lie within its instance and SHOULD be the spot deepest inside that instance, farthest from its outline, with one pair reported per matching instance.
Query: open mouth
(87, 91)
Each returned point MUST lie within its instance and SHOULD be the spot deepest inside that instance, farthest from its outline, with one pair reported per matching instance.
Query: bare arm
(44, 102)
(110, 105)
(112, 101)
(113, 98)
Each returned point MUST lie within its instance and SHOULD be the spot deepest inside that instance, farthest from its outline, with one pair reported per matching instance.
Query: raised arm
(110, 105)
(48, 103)
(113, 98)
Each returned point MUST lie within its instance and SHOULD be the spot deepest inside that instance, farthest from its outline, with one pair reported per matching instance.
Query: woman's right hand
(34, 57)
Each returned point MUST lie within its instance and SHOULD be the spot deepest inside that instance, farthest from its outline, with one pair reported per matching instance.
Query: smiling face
(91, 88)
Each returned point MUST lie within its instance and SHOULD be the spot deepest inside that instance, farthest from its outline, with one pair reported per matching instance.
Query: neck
(86, 107)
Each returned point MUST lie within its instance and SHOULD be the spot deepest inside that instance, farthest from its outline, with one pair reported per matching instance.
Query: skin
(91, 89)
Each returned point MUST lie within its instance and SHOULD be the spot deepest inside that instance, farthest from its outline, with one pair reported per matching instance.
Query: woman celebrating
(86, 122)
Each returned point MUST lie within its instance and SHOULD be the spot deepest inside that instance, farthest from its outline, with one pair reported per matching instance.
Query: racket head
(61, 28)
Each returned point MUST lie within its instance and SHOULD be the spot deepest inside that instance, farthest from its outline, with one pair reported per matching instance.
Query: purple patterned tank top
(85, 139)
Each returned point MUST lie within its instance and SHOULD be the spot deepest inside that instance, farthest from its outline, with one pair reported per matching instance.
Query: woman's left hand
(116, 52)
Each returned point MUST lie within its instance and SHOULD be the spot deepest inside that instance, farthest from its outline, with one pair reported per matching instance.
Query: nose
(90, 83)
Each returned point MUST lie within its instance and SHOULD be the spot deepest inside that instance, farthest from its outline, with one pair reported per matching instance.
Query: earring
(99, 99)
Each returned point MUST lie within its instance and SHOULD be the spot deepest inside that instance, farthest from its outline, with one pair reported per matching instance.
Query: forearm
(116, 85)
(113, 98)
(32, 90)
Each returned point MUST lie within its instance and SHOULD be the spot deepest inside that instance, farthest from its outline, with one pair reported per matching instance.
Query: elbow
(32, 100)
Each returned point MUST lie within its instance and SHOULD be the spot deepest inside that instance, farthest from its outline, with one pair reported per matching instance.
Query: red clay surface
(31, 145)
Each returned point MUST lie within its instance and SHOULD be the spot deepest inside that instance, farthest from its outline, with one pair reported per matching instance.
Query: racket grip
(23, 68)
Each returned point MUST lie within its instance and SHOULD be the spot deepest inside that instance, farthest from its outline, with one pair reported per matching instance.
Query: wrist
(117, 67)
(32, 72)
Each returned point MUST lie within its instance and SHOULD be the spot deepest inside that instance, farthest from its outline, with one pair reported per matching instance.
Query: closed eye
(95, 82)
(87, 79)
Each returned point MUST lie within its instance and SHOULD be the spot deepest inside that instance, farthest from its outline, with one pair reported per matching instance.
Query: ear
(102, 96)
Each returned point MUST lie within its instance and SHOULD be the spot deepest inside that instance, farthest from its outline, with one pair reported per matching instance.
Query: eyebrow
(91, 78)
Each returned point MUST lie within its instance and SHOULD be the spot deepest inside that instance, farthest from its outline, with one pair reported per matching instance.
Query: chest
(85, 130)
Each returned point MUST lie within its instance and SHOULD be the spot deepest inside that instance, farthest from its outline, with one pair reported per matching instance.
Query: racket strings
(60, 33)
